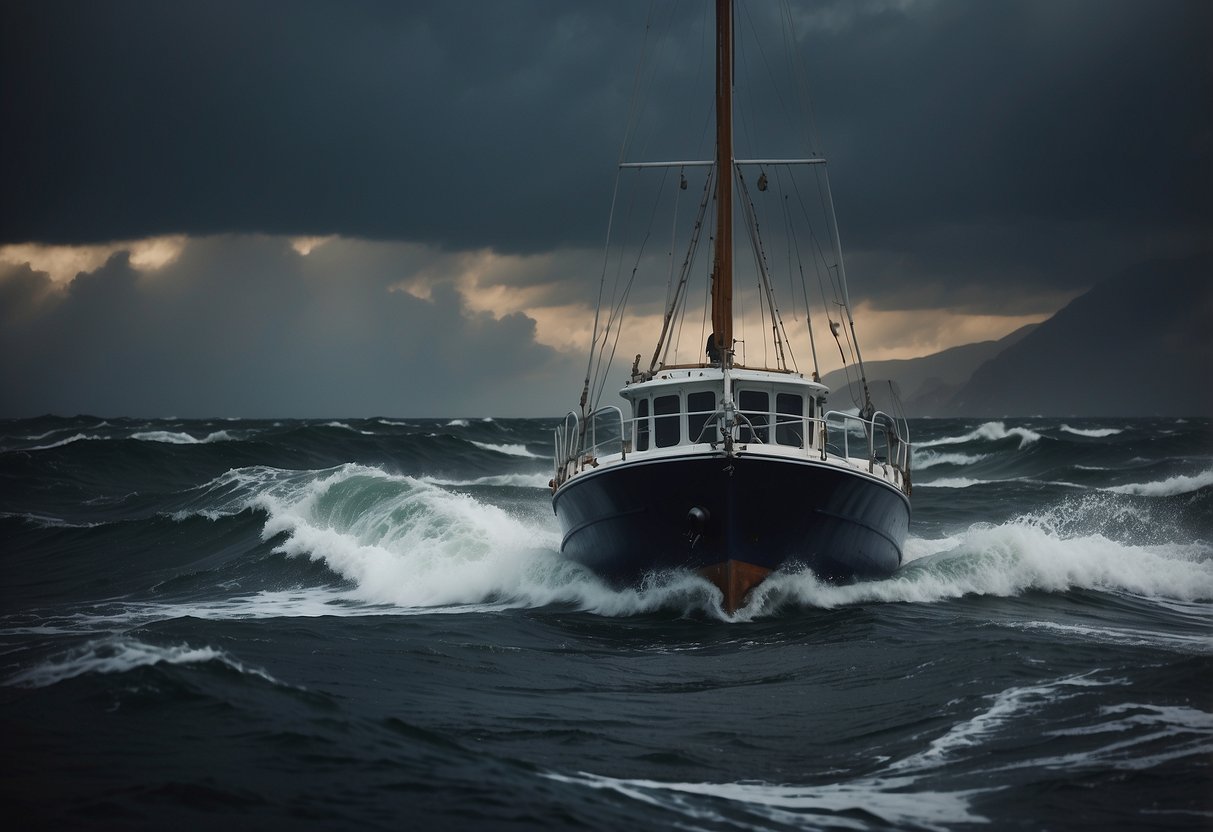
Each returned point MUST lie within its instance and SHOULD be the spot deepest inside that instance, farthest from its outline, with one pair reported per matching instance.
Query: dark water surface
(366, 624)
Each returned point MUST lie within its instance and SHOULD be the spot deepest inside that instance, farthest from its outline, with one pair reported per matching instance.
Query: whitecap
(508, 450)
(952, 482)
(512, 480)
(1093, 433)
(990, 431)
(457, 423)
(1008, 560)
(79, 437)
(929, 459)
(344, 426)
(120, 655)
(181, 438)
(1180, 484)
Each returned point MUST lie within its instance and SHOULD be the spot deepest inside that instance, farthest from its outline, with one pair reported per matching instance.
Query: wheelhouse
(685, 407)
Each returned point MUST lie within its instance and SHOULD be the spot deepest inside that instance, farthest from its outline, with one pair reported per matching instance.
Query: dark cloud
(246, 326)
(994, 157)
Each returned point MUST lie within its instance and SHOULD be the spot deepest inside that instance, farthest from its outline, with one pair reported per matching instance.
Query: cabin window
(665, 421)
(789, 419)
(642, 425)
(700, 407)
(755, 405)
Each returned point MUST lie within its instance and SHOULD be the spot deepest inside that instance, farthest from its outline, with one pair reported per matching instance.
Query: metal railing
(885, 440)
(895, 438)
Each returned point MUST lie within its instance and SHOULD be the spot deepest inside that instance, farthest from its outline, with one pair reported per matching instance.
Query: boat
(731, 468)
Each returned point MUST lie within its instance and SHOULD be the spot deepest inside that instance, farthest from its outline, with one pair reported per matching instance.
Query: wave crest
(120, 655)
(989, 432)
(1180, 484)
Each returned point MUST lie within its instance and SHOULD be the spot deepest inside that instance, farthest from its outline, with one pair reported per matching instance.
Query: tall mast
(722, 267)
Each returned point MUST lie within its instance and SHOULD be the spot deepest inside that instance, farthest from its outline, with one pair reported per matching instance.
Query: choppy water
(365, 623)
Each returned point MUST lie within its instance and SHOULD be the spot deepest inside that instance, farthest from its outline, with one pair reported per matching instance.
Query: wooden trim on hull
(734, 579)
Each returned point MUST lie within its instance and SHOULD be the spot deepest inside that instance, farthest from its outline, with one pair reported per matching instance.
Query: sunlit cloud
(64, 262)
(305, 245)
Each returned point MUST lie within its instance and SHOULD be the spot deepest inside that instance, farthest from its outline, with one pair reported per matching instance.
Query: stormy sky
(296, 209)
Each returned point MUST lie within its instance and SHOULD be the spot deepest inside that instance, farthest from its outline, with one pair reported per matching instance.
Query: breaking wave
(929, 459)
(179, 438)
(1181, 484)
(1092, 433)
(416, 544)
(508, 450)
(990, 432)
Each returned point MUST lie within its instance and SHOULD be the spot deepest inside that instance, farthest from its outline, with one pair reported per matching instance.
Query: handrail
(575, 448)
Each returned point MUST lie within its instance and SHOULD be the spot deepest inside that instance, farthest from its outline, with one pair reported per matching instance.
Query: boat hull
(697, 512)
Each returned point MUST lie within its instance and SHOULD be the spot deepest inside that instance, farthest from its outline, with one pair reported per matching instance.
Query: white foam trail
(837, 806)
(1181, 484)
(1007, 706)
(119, 655)
(1093, 433)
(1125, 636)
(990, 431)
(929, 459)
(47, 521)
(508, 450)
(1181, 731)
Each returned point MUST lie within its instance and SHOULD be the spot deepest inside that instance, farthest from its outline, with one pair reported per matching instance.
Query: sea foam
(416, 544)
(1181, 484)
(1092, 433)
(990, 432)
(120, 655)
(508, 450)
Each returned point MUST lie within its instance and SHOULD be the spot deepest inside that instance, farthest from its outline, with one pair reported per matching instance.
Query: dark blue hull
(630, 519)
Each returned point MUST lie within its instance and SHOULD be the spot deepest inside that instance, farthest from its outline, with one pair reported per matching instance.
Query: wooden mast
(722, 267)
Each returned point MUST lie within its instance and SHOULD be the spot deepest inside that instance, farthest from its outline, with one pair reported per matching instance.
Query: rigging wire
(684, 275)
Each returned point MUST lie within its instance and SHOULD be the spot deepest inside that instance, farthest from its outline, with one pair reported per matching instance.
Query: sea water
(366, 623)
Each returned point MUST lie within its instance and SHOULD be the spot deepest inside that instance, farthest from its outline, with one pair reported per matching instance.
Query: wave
(1122, 636)
(511, 480)
(1126, 736)
(847, 805)
(1137, 728)
(990, 432)
(1006, 706)
(46, 521)
(1180, 484)
(1008, 560)
(179, 438)
(120, 655)
(929, 459)
(412, 544)
(79, 437)
(457, 423)
(344, 426)
(508, 450)
(1092, 433)
(953, 482)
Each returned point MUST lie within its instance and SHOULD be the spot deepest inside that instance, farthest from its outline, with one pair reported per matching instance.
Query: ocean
(366, 624)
